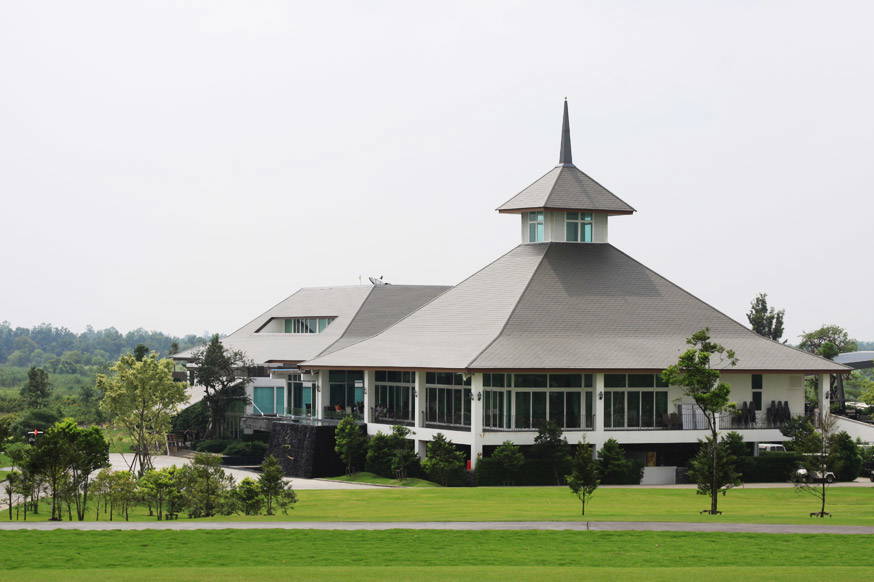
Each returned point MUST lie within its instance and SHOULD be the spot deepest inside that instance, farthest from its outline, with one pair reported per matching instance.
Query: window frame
(583, 224)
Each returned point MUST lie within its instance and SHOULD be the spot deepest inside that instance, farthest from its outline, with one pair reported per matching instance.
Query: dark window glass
(457, 406)
(538, 409)
(573, 409)
(633, 409)
(608, 410)
(380, 376)
(757, 400)
(588, 380)
(444, 378)
(641, 380)
(614, 380)
(530, 381)
(661, 408)
(556, 407)
(618, 409)
(647, 409)
(589, 411)
(337, 376)
(465, 420)
(659, 382)
(432, 405)
(499, 380)
(430, 378)
(757, 381)
(394, 376)
(523, 409)
(487, 380)
(565, 380)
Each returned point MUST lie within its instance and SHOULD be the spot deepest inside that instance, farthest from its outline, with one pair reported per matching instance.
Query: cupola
(565, 205)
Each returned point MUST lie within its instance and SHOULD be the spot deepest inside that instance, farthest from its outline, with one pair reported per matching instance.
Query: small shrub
(251, 450)
(213, 445)
(616, 468)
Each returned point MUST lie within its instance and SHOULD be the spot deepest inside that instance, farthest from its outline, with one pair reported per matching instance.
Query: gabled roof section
(358, 311)
(566, 187)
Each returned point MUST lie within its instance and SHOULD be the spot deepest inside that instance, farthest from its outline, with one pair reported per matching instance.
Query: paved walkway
(766, 528)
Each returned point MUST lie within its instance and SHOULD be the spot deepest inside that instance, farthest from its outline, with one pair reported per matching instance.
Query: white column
(598, 437)
(420, 398)
(824, 394)
(421, 449)
(369, 393)
(476, 419)
(319, 396)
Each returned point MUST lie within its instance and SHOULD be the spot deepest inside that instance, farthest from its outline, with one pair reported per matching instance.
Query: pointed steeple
(565, 158)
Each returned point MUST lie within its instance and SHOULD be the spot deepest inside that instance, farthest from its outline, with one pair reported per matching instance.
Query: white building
(563, 327)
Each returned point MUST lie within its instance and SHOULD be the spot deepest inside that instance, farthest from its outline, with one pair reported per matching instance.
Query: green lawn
(428, 555)
(373, 478)
(849, 505)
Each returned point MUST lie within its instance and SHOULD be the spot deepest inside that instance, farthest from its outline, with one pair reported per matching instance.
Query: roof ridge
(547, 246)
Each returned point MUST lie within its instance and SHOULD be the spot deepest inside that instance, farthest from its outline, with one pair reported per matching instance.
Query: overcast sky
(184, 166)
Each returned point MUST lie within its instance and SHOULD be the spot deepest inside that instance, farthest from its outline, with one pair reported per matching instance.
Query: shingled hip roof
(564, 306)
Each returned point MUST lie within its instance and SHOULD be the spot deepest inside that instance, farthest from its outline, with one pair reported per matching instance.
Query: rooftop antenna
(378, 282)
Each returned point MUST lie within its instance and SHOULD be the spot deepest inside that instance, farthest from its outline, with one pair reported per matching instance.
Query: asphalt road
(767, 528)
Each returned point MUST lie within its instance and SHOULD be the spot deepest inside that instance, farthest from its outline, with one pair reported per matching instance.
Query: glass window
(757, 400)
(535, 227)
(565, 381)
(757, 381)
(661, 408)
(647, 409)
(614, 380)
(589, 411)
(633, 408)
(578, 226)
(556, 407)
(529, 381)
(573, 409)
(641, 380)
(523, 410)
(618, 409)
(307, 324)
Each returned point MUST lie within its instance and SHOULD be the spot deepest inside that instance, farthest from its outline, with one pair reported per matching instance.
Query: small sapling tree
(583, 479)
(817, 461)
(701, 382)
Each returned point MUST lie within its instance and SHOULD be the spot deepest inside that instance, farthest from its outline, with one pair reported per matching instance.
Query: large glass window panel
(457, 407)
(431, 405)
(465, 397)
(443, 378)
(573, 409)
(573, 216)
(588, 380)
(608, 410)
(647, 409)
(263, 399)
(587, 232)
(757, 399)
(641, 380)
(538, 409)
(661, 408)
(523, 409)
(618, 409)
(556, 407)
(589, 411)
(757, 381)
(632, 408)
(572, 231)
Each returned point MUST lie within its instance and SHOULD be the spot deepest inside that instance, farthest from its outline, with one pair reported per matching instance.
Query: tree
(846, 456)
(90, 452)
(714, 470)
(247, 497)
(205, 484)
(827, 341)
(443, 461)
(701, 382)
(157, 487)
(37, 390)
(140, 351)
(141, 398)
(584, 476)
(223, 375)
(276, 492)
(614, 468)
(350, 442)
(382, 450)
(551, 446)
(402, 462)
(13, 478)
(510, 459)
(817, 461)
(764, 320)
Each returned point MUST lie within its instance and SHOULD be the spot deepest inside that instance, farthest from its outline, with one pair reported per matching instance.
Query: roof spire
(565, 158)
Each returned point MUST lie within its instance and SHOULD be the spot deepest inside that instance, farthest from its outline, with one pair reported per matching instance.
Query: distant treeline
(61, 350)
(866, 346)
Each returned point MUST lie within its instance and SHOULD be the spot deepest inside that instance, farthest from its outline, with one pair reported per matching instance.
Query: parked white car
(771, 448)
(803, 475)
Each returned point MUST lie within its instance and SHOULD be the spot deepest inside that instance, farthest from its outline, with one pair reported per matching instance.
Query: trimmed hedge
(254, 450)
(768, 467)
(213, 445)
(533, 472)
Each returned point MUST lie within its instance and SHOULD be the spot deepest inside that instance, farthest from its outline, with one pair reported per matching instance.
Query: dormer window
(307, 324)
(535, 227)
(578, 226)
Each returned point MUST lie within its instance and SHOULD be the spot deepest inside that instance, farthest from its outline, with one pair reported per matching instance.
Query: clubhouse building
(564, 327)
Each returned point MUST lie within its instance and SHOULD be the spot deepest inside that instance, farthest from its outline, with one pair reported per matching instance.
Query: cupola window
(578, 226)
(535, 227)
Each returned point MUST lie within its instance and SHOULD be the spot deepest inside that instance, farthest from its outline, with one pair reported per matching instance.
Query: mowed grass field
(848, 505)
(428, 555)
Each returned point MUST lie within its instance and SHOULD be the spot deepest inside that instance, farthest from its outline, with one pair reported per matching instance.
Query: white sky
(184, 166)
